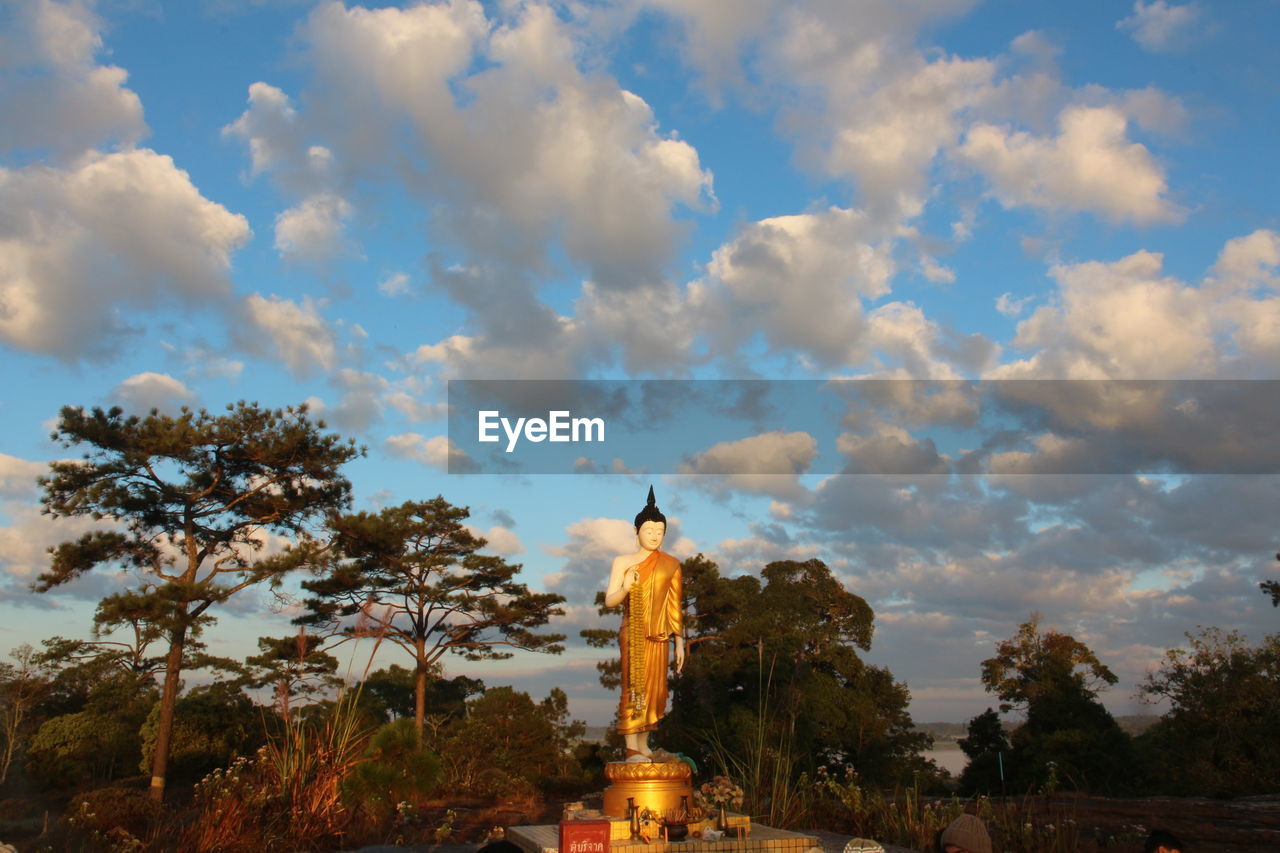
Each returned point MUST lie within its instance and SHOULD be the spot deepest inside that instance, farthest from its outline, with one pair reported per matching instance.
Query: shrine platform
(762, 839)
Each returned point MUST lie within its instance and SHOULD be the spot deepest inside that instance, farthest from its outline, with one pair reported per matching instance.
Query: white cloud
(800, 280)
(395, 284)
(143, 392)
(416, 409)
(1089, 166)
(438, 451)
(70, 263)
(1128, 319)
(500, 540)
(295, 331)
(312, 231)
(18, 476)
(1010, 306)
(767, 464)
(1159, 26)
(67, 103)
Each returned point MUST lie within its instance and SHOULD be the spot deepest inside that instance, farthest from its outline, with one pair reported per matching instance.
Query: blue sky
(351, 205)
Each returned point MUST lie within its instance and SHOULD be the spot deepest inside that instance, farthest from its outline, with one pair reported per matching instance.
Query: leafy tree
(505, 743)
(100, 742)
(1219, 735)
(215, 723)
(397, 767)
(1068, 739)
(412, 575)
(191, 500)
(295, 666)
(986, 741)
(1033, 663)
(1272, 588)
(22, 687)
(389, 694)
(774, 672)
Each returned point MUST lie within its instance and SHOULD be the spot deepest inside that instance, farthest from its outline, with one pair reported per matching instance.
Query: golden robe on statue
(651, 617)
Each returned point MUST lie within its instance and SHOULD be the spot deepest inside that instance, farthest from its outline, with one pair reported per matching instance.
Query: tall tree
(294, 666)
(191, 500)
(1034, 662)
(23, 685)
(774, 672)
(1219, 736)
(413, 575)
(1068, 738)
(983, 745)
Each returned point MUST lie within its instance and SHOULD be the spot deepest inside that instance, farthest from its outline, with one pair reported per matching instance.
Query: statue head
(651, 525)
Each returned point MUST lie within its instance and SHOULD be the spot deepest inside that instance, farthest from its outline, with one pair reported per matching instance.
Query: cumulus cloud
(361, 404)
(395, 284)
(70, 264)
(801, 280)
(312, 231)
(767, 464)
(143, 392)
(1089, 166)
(438, 451)
(500, 540)
(1159, 26)
(536, 150)
(295, 332)
(48, 76)
(18, 476)
(1128, 319)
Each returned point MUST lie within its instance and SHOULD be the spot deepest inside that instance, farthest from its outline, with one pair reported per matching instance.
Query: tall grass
(286, 797)
(289, 795)
(759, 754)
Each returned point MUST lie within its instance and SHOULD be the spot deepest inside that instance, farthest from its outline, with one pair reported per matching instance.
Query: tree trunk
(168, 702)
(420, 694)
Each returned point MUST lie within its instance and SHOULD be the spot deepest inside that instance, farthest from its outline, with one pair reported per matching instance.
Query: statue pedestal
(654, 785)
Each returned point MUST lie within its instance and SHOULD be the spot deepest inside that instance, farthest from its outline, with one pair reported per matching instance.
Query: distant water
(952, 760)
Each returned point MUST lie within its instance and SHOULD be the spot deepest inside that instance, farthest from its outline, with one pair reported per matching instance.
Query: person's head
(1162, 841)
(965, 834)
(651, 525)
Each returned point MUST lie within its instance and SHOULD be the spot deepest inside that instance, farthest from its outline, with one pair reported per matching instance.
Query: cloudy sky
(349, 206)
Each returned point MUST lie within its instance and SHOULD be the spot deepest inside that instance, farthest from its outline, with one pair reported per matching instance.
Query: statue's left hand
(679, 655)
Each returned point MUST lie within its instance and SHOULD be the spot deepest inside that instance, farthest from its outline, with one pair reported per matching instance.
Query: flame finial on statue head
(650, 512)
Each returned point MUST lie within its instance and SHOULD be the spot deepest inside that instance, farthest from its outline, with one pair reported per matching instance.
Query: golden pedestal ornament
(657, 786)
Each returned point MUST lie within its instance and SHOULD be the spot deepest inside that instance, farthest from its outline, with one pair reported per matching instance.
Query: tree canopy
(1034, 662)
(777, 663)
(1067, 739)
(1219, 735)
(187, 503)
(413, 576)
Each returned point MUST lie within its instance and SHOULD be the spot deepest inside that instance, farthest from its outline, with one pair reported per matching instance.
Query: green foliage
(24, 685)
(192, 498)
(414, 577)
(1219, 737)
(774, 673)
(75, 750)
(114, 818)
(98, 742)
(398, 767)
(389, 693)
(1068, 739)
(505, 731)
(1034, 664)
(288, 796)
(215, 723)
(295, 666)
(986, 741)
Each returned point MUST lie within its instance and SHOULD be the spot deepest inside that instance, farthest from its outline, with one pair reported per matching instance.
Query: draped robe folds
(644, 674)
